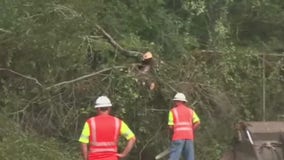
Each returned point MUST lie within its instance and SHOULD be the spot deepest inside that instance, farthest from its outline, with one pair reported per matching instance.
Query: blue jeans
(184, 147)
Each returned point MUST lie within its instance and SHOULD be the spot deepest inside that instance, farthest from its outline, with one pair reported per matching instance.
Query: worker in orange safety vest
(100, 135)
(146, 70)
(183, 121)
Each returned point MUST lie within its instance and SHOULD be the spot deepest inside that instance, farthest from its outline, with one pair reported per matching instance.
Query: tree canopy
(58, 56)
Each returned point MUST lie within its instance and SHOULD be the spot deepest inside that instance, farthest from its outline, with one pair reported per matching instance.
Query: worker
(146, 69)
(146, 63)
(183, 121)
(100, 135)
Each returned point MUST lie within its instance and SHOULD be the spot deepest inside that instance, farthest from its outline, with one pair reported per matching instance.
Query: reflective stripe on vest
(101, 146)
(93, 128)
(182, 123)
(117, 129)
(181, 126)
(96, 150)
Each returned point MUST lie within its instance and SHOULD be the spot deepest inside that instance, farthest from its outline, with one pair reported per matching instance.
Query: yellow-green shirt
(171, 118)
(124, 131)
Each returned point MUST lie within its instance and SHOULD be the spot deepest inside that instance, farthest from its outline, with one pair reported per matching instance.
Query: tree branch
(84, 77)
(5, 31)
(117, 46)
(64, 82)
(149, 141)
(22, 75)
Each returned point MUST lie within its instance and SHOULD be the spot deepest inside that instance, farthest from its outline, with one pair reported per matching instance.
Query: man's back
(182, 122)
(106, 127)
(100, 134)
(104, 136)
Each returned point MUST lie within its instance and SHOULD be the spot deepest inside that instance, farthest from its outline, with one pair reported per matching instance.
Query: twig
(26, 106)
(158, 110)
(149, 141)
(117, 46)
(5, 31)
(22, 75)
(83, 77)
(167, 84)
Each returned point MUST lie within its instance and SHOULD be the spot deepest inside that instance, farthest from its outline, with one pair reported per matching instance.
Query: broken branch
(117, 46)
(84, 77)
(22, 75)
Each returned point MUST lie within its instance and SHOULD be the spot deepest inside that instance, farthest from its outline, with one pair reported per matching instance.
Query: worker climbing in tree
(146, 63)
(183, 121)
(146, 71)
(100, 135)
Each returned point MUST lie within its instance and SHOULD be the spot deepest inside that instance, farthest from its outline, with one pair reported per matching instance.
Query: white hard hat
(147, 55)
(180, 97)
(103, 101)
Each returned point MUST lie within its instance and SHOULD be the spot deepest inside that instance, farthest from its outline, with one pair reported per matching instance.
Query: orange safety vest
(104, 136)
(183, 124)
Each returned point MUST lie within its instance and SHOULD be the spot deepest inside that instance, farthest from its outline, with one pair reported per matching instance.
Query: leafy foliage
(15, 143)
(54, 62)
